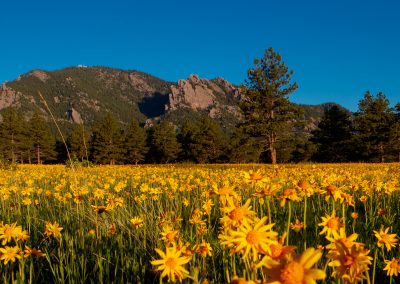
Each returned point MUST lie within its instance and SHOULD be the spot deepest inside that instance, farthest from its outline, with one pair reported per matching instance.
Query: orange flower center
(276, 250)
(8, 232)
(331, 189)
(237, 214)
(333, 223)
(171, 262)
(303, 184)
(348, 260)
(394, 264)
(293, 273)
(253, 237)
(170, 236)
(255, 176)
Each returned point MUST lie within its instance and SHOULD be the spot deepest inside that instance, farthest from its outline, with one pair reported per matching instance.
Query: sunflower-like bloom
(349, 263)
(9, 254)
(8, 232)
(32, 251)
(236, 214)
(297, 271)
(171, 264)
(169, 235)
(287, 195)
(52, 229)
(248, 238)
(340, 237)
(392, 266)
(331, 224)
(204, 249)
(385, 239)
(254, 177)
(137, 222)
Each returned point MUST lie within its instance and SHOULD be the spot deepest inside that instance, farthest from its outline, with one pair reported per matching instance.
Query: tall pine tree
(12, 134)
(107, 141)
(164, 145)
(372, 124)
(135, 143)
(41, 139)
(78, 142)
(333, 136)
(265, 105)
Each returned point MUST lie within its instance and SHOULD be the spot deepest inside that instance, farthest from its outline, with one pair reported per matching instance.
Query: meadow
(325, 223)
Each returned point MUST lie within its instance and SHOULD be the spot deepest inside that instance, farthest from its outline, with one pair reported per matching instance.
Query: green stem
(288, 223)
(305, 222)
(374, 267)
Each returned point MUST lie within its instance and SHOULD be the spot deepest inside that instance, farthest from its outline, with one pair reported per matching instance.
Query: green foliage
(164, 147)
(107, 141)
(333, 136)
(40, 141)
(372, 124)
(12, 135)
(243, 147)
(203, 142)
(135, 143)
(265, 106)
(78, 142)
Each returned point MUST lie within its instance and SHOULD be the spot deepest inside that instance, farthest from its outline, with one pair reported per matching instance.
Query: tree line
(271, 130)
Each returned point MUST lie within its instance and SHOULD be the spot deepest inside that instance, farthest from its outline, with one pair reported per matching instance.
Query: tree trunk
(38, 155)
(382, 152)
(271, 146)
(272, 153)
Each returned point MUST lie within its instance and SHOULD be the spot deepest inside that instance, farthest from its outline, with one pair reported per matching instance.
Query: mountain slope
(84, 94)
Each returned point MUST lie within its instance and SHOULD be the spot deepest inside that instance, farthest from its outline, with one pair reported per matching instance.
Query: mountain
(84, 94)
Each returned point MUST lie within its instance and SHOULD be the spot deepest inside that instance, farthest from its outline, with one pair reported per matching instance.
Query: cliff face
(212, 96)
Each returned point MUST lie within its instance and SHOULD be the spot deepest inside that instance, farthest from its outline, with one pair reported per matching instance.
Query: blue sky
(338, 49)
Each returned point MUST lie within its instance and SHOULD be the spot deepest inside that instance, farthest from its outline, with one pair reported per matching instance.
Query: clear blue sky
(337, 48)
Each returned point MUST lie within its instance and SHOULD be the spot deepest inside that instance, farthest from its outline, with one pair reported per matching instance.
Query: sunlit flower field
(288, 224)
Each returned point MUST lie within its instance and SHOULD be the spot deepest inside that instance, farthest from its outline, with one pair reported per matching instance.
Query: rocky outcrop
(212, 96)
(74, 116)
(41, 75)
(193, 93)
(8, 97)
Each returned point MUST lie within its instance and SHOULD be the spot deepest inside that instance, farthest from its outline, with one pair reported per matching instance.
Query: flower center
(255, 176)
(237, 214)
(333, 223)
(253, 237)
(276, 250)
(394, 264)
(293, 273)
(348, 260)
(170, 236)
(171, 262)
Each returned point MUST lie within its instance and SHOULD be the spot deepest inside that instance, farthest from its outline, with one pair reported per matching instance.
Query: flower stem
(288, 223)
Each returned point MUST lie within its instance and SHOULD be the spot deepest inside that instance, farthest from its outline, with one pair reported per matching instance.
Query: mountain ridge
(82, 94)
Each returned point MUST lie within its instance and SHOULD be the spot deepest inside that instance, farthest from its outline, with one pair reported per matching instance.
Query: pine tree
(243, 147)
(12, 134)
(187, 138)
(78, 142)
(394, 135)
(210, 142)
(333, 136)
(372, 125)
(135, 143)
(41, 139)
(265, 106)
(107, 141)
(164, 144)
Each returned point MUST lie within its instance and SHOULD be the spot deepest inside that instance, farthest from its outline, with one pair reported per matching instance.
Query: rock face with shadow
(213, 96)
